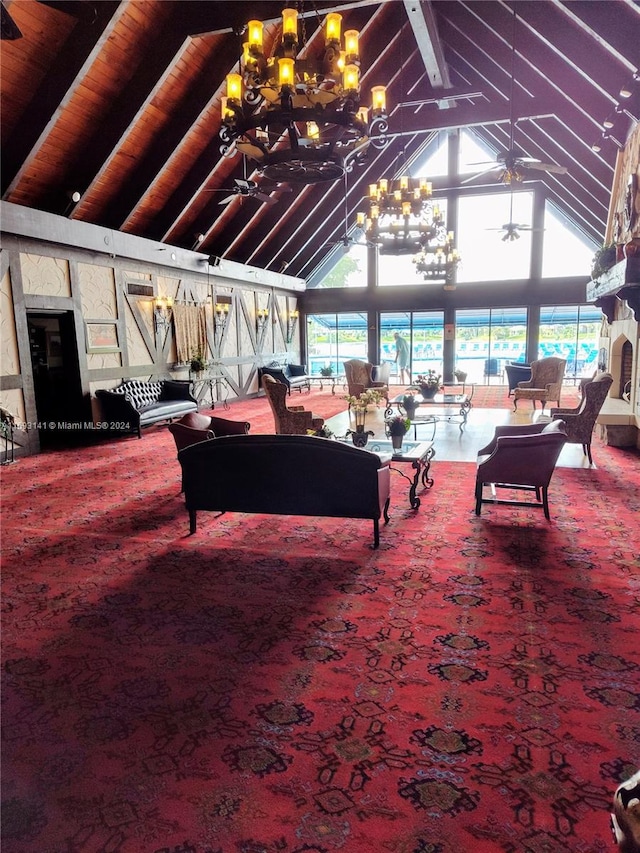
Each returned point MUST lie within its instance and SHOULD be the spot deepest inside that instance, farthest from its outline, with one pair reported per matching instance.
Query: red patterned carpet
(273, 685)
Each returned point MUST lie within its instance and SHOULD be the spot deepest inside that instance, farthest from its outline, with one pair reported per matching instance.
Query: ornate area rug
(274, 685)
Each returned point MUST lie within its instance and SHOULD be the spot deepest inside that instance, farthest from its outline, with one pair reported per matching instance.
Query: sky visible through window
(486, 256)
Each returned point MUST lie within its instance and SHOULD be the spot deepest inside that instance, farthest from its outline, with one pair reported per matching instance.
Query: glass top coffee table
(454, 408)
(418, 453)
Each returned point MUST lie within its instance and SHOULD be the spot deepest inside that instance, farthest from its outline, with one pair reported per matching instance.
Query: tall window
(423, 330)
(565, 252)
(485, 255)
(486, 339)
(571, 332)
(334, 338)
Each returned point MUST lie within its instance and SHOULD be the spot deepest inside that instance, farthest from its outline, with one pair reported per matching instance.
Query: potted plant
(327, 370)
(410, 405)
(359, 405)
(461, 375)
(198, 362)
(603, 260)
(396, 428)
(429, 383)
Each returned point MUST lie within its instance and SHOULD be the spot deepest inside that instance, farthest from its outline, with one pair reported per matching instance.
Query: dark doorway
(59, 401)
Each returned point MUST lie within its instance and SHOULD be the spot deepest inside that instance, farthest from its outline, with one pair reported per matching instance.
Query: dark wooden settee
(285, 475)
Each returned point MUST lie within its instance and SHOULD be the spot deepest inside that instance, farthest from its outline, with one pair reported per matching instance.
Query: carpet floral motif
(274, 685)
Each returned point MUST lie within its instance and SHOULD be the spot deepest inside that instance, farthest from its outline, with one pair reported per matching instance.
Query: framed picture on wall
(102, 336)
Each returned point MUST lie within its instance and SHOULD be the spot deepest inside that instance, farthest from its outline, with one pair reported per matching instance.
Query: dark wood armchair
(522, 458)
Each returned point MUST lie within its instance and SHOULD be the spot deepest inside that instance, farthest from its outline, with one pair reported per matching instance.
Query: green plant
(460, 375)
(398, 425)
(603, 260)
(198, 362)
(362, 401)
(431, 379)
(326, 371)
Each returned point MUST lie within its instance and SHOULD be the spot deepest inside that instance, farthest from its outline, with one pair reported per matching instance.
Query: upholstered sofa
(291, 375)
(135, 404)
(285, 475)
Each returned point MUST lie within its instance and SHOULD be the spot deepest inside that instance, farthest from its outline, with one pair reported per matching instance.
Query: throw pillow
(297, 370)
(554, 426)
(174, 390)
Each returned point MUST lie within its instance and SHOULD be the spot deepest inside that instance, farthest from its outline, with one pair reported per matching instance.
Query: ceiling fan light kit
(301, 119)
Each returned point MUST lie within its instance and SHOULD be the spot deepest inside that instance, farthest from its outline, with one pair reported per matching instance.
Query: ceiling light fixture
(403, 219)
(301, 118)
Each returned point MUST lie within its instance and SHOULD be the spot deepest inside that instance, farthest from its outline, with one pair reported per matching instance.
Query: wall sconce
(221, 315)
(292, 322)
(262, 315)
(162, 312)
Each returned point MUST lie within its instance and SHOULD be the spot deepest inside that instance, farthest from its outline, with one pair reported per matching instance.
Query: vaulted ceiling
(121, 103)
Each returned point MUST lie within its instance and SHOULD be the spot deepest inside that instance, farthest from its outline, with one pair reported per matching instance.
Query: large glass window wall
(571, 332)
(423, 331)
(332, 339)
(487, 339)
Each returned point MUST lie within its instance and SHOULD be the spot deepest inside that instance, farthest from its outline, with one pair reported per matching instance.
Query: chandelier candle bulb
(313, 131)
(290, 25)
(285, 71)
(234, 87)
(351, 45)
(255, 37)
(379, 99)
(351, 78)
(333, 26)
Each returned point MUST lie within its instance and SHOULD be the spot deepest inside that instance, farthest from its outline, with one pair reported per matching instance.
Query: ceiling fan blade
(483, 172)
(228, 199)
(267, 199)
(250, 150)
(546, 167)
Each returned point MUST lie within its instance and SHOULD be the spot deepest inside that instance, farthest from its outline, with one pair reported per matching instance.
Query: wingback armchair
(545, 383)
(359, 376)
(520, 457)
(289, 420)
(580, 422)
(196, 427)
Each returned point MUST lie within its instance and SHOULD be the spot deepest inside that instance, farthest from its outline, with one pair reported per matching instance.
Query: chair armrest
(116, 406)
(223, 426)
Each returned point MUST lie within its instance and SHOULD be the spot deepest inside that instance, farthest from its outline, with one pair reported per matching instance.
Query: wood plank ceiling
(120, 102)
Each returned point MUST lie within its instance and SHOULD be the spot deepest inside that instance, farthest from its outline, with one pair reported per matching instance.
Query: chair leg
(545, 503)
(376, 533)
(587, 450)
(478, 498)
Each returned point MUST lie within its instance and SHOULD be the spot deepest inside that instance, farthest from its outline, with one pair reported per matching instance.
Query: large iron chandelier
(301, 118)
(403, 219)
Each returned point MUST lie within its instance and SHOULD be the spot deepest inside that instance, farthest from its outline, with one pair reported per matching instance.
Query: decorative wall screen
(191, 331)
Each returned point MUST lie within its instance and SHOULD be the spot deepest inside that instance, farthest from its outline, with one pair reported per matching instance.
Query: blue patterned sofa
(135, 404)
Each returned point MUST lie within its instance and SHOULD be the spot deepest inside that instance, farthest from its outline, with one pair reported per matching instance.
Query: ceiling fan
(512, 229)
(513, 165)
(249, 189)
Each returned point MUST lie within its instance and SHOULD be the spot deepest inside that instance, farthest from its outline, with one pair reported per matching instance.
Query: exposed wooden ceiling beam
(425, 30)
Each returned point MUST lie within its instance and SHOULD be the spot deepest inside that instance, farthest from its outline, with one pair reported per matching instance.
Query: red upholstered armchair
(520, 457)
(196, 427)
(289, 420)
